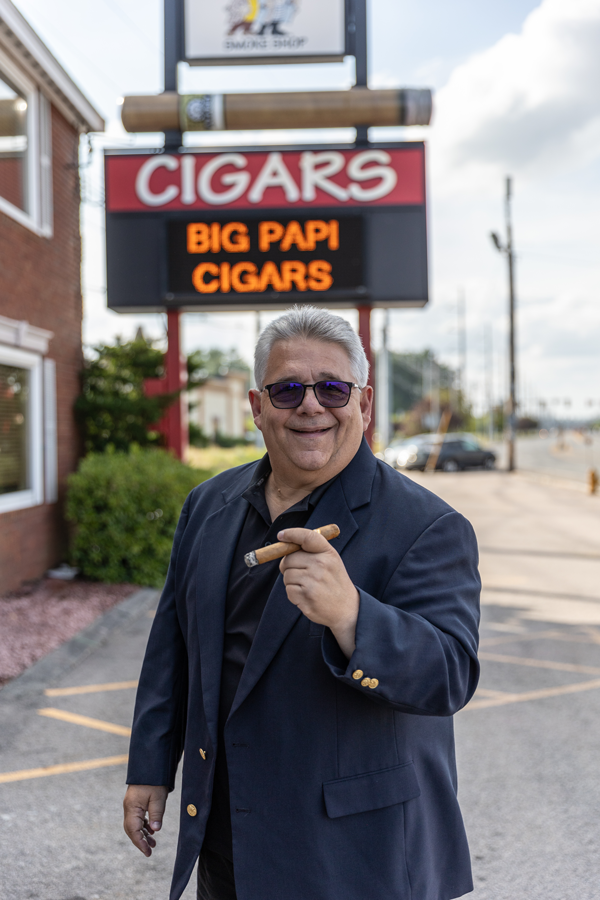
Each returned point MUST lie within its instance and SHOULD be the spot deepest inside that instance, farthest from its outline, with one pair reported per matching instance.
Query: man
(314, 696)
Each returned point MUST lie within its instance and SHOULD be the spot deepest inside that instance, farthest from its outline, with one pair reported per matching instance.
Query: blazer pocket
(375, 790)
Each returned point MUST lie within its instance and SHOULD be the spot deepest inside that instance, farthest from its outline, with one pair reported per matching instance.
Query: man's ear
(366, 405)
(255, 398)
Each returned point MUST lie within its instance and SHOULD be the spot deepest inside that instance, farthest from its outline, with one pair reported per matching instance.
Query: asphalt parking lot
(528, 744)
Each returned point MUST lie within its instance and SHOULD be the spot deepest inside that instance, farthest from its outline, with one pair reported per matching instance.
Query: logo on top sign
(261, 17)
(237, 30)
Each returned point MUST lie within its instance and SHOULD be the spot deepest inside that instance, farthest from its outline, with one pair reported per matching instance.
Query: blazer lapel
(218, 542)
(280, 615)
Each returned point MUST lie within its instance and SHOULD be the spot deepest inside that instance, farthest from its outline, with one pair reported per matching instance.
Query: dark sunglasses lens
(332, 393)
(286, 394)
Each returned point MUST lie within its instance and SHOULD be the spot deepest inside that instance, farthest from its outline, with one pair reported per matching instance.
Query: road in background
(569, 455)
(528, 744)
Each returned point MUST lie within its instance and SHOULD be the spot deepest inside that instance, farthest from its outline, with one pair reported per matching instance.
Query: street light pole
(507, 249)
(512, 421)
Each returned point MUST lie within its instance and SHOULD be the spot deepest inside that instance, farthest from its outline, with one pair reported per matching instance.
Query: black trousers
(215, 877)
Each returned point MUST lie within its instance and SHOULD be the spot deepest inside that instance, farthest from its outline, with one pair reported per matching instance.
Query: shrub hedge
(124, 509)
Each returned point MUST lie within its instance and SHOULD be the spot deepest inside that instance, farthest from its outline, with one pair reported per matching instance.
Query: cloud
(529, 101)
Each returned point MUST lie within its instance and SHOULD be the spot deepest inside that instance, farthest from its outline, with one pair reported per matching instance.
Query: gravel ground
(41, 615)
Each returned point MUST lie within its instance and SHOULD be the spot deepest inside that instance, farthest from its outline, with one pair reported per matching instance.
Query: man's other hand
(144, 807)
(317, 583)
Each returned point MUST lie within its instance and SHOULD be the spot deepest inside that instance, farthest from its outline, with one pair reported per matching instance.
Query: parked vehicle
(458, 451)
(400, 450)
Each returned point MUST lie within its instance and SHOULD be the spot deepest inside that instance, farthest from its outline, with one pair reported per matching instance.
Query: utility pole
(507, 249)
(489, 377)
(461, 309)
(383, 386)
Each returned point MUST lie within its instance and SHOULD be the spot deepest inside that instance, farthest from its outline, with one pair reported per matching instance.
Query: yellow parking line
(485, 692)
(75, 719)
(534, 695)
(539, 663)
(62, 769)
(90, 688)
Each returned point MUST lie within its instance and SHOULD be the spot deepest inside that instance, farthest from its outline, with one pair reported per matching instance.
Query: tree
(413, 375)
(112, 409)
(205, 364)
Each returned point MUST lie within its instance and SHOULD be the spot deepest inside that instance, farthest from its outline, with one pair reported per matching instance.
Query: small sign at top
(242, 32)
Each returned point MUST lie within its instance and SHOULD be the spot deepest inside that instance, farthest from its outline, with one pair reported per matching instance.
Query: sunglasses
(290, 394)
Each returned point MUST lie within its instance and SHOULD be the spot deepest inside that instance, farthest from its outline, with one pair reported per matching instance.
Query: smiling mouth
(311, 431)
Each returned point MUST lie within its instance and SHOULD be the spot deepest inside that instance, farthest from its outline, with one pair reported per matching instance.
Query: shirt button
(373, 682)
(192, 811)
(357, 674)
(267, 543)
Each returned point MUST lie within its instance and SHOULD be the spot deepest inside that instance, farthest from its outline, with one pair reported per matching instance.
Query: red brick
(40, 282)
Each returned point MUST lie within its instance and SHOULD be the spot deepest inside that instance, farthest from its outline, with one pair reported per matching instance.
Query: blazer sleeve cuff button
(357, 674)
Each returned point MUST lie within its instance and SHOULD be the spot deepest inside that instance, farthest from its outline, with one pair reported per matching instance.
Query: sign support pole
(175, 367)
(176, 419)
(358, 29)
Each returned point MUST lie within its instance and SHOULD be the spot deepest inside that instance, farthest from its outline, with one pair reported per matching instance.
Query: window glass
(13, 144)
(470, 445)
(14, 397)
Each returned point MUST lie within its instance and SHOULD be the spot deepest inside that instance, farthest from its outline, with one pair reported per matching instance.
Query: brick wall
(40, 282)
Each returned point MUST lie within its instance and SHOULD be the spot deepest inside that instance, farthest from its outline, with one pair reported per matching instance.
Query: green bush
(197, 436)
(124, 509)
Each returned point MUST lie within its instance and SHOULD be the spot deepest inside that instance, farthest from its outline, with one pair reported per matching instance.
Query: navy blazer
(339, 790)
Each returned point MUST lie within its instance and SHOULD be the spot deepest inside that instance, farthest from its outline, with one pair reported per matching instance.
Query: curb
(47, 669)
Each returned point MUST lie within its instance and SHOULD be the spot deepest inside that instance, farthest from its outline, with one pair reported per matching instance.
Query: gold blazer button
(192, 811)
(358, 674)
(373, 682)
(202, 753)
(366, 682)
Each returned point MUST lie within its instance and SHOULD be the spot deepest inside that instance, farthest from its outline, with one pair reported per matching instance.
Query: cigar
(282, 548)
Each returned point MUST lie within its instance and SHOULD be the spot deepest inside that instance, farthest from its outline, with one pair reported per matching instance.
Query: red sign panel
(266, 179)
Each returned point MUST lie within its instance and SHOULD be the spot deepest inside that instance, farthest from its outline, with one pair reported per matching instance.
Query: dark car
(458, 451)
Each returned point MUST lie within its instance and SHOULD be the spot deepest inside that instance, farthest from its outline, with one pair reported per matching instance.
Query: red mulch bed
(42, 615)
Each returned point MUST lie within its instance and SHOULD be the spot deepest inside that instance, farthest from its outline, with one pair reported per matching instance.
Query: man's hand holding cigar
(316, 581)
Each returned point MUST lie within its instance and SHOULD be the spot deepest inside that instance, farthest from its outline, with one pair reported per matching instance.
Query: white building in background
(220, 405)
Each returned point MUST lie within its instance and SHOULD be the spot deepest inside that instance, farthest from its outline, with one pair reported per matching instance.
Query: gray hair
(311, 323)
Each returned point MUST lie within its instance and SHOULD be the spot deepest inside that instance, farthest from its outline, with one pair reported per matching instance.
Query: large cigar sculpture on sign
(240, 112)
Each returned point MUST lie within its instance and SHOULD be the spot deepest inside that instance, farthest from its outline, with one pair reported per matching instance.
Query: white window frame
(34, 494)
(38, 216)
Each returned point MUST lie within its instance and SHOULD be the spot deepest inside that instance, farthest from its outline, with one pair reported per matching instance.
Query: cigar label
(282, 548)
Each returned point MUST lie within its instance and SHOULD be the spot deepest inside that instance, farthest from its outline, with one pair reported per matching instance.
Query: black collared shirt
(247, 594)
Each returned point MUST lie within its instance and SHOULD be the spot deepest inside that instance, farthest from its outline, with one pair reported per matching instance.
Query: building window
(13, 145)
(14, 420)
(21, 452)
(25, 155)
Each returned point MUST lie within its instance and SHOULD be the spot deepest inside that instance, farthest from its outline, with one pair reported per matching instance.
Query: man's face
(310, 438)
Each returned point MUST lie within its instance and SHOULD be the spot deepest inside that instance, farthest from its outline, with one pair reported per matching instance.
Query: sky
(515, 93)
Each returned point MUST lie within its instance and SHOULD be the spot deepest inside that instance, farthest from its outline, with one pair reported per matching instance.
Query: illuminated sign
(256, 256)
(266, 228)
(264, 31)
